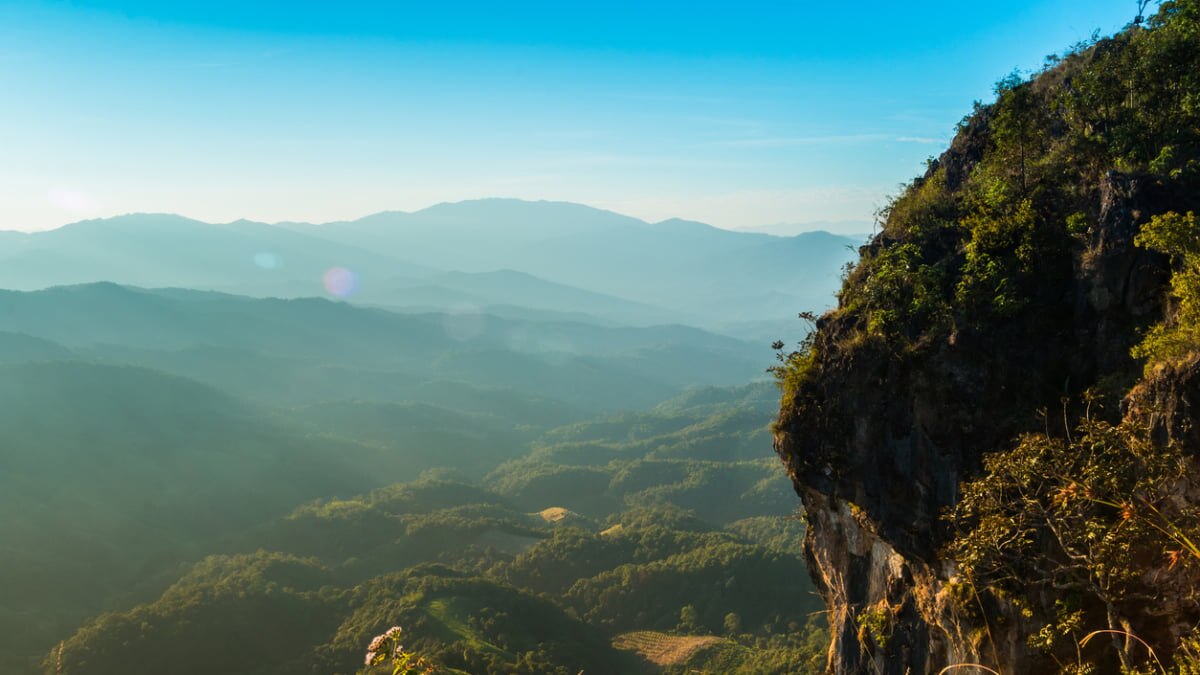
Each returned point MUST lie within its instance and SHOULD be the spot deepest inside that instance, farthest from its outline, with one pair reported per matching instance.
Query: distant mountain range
(171, 388)
(273, 349)
(141, 429)
(855, 229)
(499, 256)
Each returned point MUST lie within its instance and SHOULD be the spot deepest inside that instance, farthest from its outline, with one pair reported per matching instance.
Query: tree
(688, 617)
(1178, 335)
(733, 623)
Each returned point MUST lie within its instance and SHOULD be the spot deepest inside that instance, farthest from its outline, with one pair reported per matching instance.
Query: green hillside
(311, 350)
(141, 431)
(112, 476)
(523, 587)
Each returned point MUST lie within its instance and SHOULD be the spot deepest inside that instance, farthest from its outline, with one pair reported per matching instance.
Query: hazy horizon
(839, 227)
(276, 113)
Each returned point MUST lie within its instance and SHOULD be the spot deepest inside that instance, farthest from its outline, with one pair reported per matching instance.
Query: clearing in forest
(664, 649)
(553, 514)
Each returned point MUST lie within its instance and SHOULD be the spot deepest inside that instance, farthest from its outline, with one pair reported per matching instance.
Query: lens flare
(267, 261)
(340, 281)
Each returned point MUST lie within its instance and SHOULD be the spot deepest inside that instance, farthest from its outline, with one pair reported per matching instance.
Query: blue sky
(735, 113)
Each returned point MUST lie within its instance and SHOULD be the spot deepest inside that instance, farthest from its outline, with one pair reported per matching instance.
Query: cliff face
(879, 459)
(882, 425)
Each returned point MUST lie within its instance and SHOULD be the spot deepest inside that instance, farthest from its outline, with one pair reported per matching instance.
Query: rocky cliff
(1002, 297)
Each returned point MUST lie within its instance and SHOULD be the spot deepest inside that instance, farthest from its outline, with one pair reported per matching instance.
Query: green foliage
(689, 618)
(985, 235)
(1021, 127)
(512, 592)
(799, 650)
(895, 288)
(925, 206)
(716, 579)
(979, 263)
(795, 367)
(260, 613)
(1179, 335)
(901, 288)
(537, 485)
(780, 533)
(733, 623)
(1069, 528)
(716, 491)
(115, 476)
(999, 255)
(398, 526)
(1077, 224)
(472, 619)
(875, 625)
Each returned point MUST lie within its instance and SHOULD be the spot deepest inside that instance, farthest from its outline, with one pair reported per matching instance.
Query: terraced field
(664, 649)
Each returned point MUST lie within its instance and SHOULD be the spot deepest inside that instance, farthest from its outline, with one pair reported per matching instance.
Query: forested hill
(195, 482)
(614, 539)
(994, 432)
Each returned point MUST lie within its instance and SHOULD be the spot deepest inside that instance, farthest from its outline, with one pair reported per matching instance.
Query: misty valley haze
(498, 256)
(525, 372)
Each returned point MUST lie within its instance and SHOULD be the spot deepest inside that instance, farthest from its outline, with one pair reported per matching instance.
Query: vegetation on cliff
(1039, 283)
(985, 236)
(1177, 336)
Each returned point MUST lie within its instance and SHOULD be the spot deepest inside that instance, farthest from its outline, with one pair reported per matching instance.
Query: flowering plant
(386, 652)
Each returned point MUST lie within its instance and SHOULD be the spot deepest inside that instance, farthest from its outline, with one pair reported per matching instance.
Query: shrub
(1179, 334)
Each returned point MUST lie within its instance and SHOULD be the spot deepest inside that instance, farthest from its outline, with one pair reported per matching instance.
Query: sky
(738, 114)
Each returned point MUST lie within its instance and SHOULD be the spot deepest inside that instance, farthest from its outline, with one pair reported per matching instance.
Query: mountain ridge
(624, 269)
(441, 209)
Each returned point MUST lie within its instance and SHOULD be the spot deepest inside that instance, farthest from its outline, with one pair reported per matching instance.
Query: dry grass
(553, 514)
(663, 649)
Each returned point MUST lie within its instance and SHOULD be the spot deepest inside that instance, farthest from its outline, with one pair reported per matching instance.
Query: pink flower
(370, 658)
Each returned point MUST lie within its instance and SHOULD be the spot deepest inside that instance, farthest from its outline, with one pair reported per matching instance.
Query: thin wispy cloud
(921, 139)
(791, 141)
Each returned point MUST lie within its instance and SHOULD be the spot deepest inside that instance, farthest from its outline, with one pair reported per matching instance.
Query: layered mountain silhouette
(497, 256)
(310, 349)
